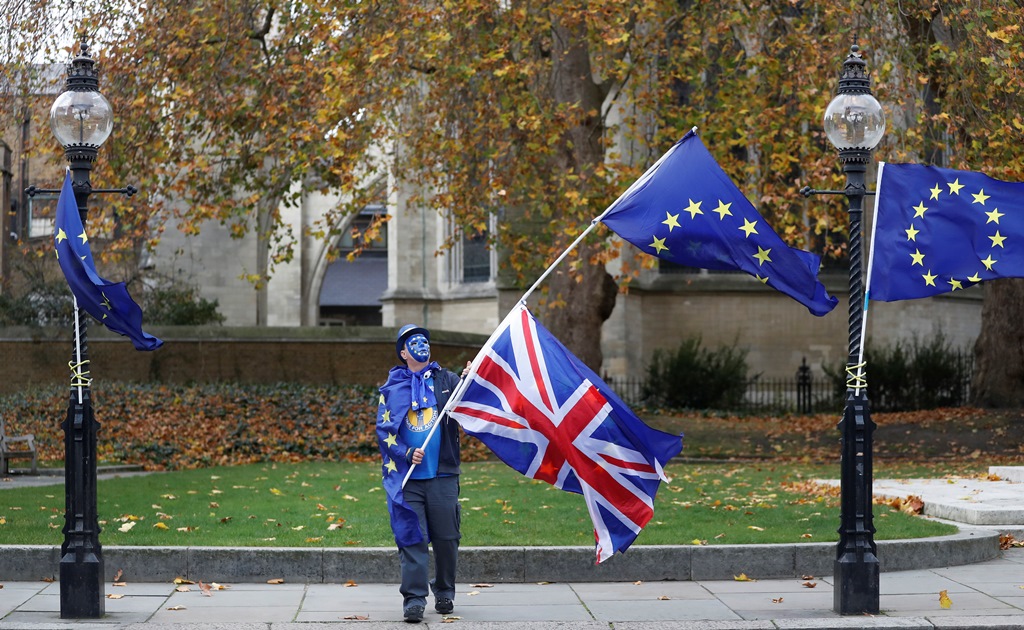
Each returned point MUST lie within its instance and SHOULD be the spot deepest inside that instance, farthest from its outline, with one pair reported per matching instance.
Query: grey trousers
(436, 502)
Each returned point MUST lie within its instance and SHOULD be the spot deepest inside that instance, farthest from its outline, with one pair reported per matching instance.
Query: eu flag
(107, 301)
(687, 211)
(392, 408)
(940, 230)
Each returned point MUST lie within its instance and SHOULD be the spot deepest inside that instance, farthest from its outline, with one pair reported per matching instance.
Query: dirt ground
(959, 434)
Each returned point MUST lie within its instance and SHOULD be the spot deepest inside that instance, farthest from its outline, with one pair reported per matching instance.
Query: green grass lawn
(320, 504)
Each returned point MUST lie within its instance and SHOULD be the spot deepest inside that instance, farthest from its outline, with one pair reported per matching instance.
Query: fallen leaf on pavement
(114, 595)
(181, 580)
(357, 617)
(120, 584)
(742, 577)
(810, 584)
(776, 600)
(483, 585)
(350, 584)
(176, 608)
(471, 593)
(450, 619)
(664, 597)
(807, 577)
(944, 600)
(276, 581)
(638, 582)
(182, 589)
(205, 589)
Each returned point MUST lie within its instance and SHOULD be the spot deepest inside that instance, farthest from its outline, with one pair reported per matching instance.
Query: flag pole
(456, 395)
(867, 284)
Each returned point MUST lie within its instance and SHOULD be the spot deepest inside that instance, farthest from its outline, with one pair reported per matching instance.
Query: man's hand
(417, 456)
(465, 370)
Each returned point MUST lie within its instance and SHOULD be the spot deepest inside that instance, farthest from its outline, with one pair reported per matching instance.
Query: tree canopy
(541, 112)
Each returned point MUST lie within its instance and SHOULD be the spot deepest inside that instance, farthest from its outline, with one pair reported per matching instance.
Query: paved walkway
(985, 595)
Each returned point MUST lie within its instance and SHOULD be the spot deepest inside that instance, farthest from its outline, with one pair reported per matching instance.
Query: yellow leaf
(755, 528)
(127, 526)
(181, 580)
(114, 595)
(742, 577)
(276, 491)
(276, 581)
(161, 525)
(944, 600)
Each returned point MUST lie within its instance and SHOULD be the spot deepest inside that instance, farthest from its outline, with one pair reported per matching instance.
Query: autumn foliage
(173, 427)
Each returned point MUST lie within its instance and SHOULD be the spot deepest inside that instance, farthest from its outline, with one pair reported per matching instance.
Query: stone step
(1008, 473)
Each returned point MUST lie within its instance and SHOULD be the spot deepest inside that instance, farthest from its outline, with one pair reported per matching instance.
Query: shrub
(915, 375)
(693, 377)
(176, 305)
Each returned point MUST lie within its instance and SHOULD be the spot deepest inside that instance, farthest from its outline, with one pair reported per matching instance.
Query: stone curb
(500, 564)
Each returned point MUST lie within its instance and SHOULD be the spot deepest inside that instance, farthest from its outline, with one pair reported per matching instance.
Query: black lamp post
(81, 119)
(854, 123)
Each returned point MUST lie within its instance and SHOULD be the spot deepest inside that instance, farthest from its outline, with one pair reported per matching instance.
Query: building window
(476, 257)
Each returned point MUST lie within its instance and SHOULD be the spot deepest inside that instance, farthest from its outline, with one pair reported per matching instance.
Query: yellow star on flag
(988, 262)
(658, 245)
(974, 278)
(390, 466)
(85, 239)
(997, 240)
(762, 255)
(386, 418)
(748, 227)
(980, 197)
(955, 186)
(935, 191)
(918, 258)
(912, 233)
(694, 209)
(723, 209)
(61, 236)
(672, 221)
(919, 210)
(953, 282)
(392, 440)
(381, 400)
(929, 279)
(763, 280)
(993, 217)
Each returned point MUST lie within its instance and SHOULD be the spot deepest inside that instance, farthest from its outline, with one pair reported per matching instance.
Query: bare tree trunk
(999, 350)
(579, 300)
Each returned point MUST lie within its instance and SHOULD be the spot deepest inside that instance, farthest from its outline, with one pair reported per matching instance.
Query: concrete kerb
(501, 564)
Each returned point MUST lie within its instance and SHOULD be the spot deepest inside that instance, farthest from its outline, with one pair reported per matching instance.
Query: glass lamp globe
(854, 121)
(81, 118)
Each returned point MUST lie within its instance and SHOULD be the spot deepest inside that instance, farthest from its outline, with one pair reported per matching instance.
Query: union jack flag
(548, 416)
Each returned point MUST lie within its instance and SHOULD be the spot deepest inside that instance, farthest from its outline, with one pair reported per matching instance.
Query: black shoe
(414, 614)
(444, 605)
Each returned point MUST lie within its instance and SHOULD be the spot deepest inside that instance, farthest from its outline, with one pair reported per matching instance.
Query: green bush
(45, 304)
(913, 375)
(693, 377)
(177, 305)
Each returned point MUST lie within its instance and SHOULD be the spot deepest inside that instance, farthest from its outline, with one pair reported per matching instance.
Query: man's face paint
(418, 348)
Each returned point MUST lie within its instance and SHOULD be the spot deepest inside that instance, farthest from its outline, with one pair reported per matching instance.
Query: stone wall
(208, 354)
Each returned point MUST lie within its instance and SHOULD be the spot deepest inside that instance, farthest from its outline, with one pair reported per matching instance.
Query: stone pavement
(984, 596)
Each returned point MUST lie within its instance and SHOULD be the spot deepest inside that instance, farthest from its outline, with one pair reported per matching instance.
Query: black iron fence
(805, 393)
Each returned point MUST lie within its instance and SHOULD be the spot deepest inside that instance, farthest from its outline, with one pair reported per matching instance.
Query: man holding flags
(426, 509)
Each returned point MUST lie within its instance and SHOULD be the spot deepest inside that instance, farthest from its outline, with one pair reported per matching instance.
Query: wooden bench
(18, 446)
